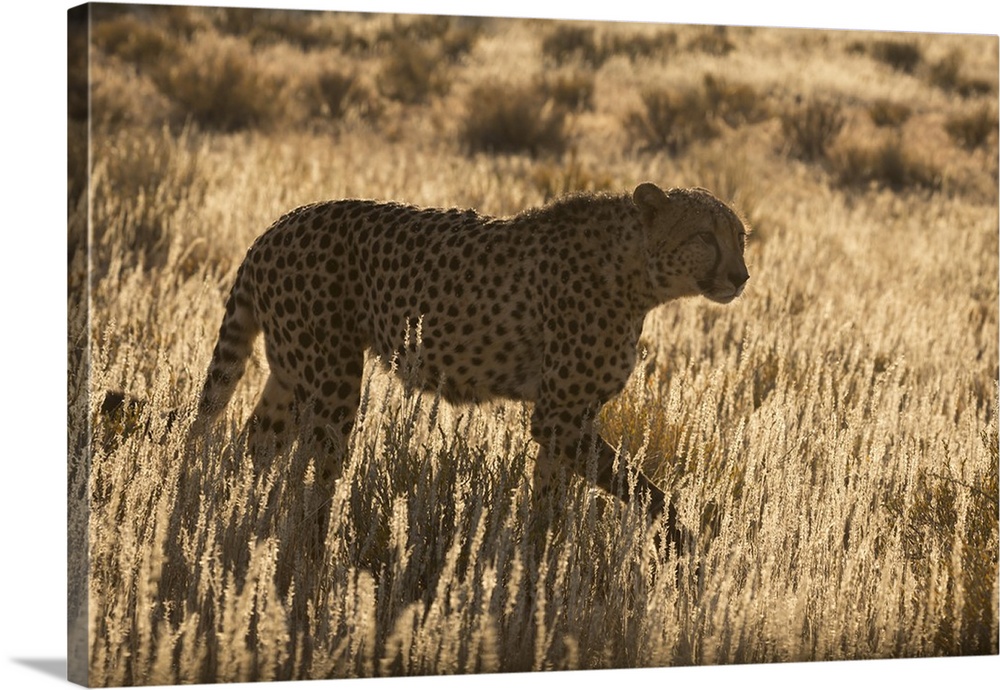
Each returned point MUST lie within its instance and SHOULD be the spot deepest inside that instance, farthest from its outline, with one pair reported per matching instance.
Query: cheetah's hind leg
(271, 425)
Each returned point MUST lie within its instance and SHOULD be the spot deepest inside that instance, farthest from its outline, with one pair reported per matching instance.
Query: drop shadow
(50, 667)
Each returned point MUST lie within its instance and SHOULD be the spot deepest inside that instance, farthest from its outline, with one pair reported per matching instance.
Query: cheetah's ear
(650, 199)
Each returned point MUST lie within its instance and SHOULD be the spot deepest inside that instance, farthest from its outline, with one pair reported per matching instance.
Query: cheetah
(544, 307)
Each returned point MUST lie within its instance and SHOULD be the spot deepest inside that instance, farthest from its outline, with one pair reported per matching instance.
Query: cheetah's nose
(739, 278)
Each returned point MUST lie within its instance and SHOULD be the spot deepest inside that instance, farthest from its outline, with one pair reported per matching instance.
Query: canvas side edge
(78, 344)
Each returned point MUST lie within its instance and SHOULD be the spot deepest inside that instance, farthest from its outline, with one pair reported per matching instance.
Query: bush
(812, 128)
(570, 91)
(714, 41)
(903, 56)
(672, 120)
(453, 37)
(636, 46)
(886, 113)
(263, 27)
(133, 41)
(331, 91)
(580, 44)
(946, 74)
(973, 130)
(459, 40)
(219, 85)
(889, 165)
(504, 119)
(568, 43)
(736, 104)
(331, 94)
(122, 98)
(413, 73)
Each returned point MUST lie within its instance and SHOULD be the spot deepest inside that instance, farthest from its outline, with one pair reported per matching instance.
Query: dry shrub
(122, 98)
(513, 119)
(671, 120)
(570, 90)
(713, 41)
(350, 41)
(413, 73)
(973, 130)
(886, 113)
(903, 56)
(811, 128)
(264, 27)
(219, 84)
(947, 74)
(584, 46)
(891, 164)
(736, 104)
(637, 46)
(570, 43)
(451, 37)
(459, 41)
(181, 22)
(334, 88)
(456, 36)
(329, 93)
(133, 40)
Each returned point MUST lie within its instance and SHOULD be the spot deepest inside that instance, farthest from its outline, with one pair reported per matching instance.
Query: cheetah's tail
(235, 344)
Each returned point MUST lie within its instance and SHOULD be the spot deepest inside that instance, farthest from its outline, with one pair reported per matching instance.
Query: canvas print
(421, 345)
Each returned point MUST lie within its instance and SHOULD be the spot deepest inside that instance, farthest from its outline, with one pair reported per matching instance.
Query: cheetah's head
(693, 244)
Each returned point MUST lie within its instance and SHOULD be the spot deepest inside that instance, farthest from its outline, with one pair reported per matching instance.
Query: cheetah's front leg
(565, 438)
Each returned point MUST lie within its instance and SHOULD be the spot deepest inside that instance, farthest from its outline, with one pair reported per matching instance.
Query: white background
(33, 318)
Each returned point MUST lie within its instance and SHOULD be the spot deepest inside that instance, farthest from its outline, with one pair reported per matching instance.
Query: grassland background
(873, 368)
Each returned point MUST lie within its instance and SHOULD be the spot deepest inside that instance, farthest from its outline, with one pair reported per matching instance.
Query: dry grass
(836, 428)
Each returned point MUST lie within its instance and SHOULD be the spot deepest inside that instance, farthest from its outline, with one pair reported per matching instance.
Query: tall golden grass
(835, 430)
